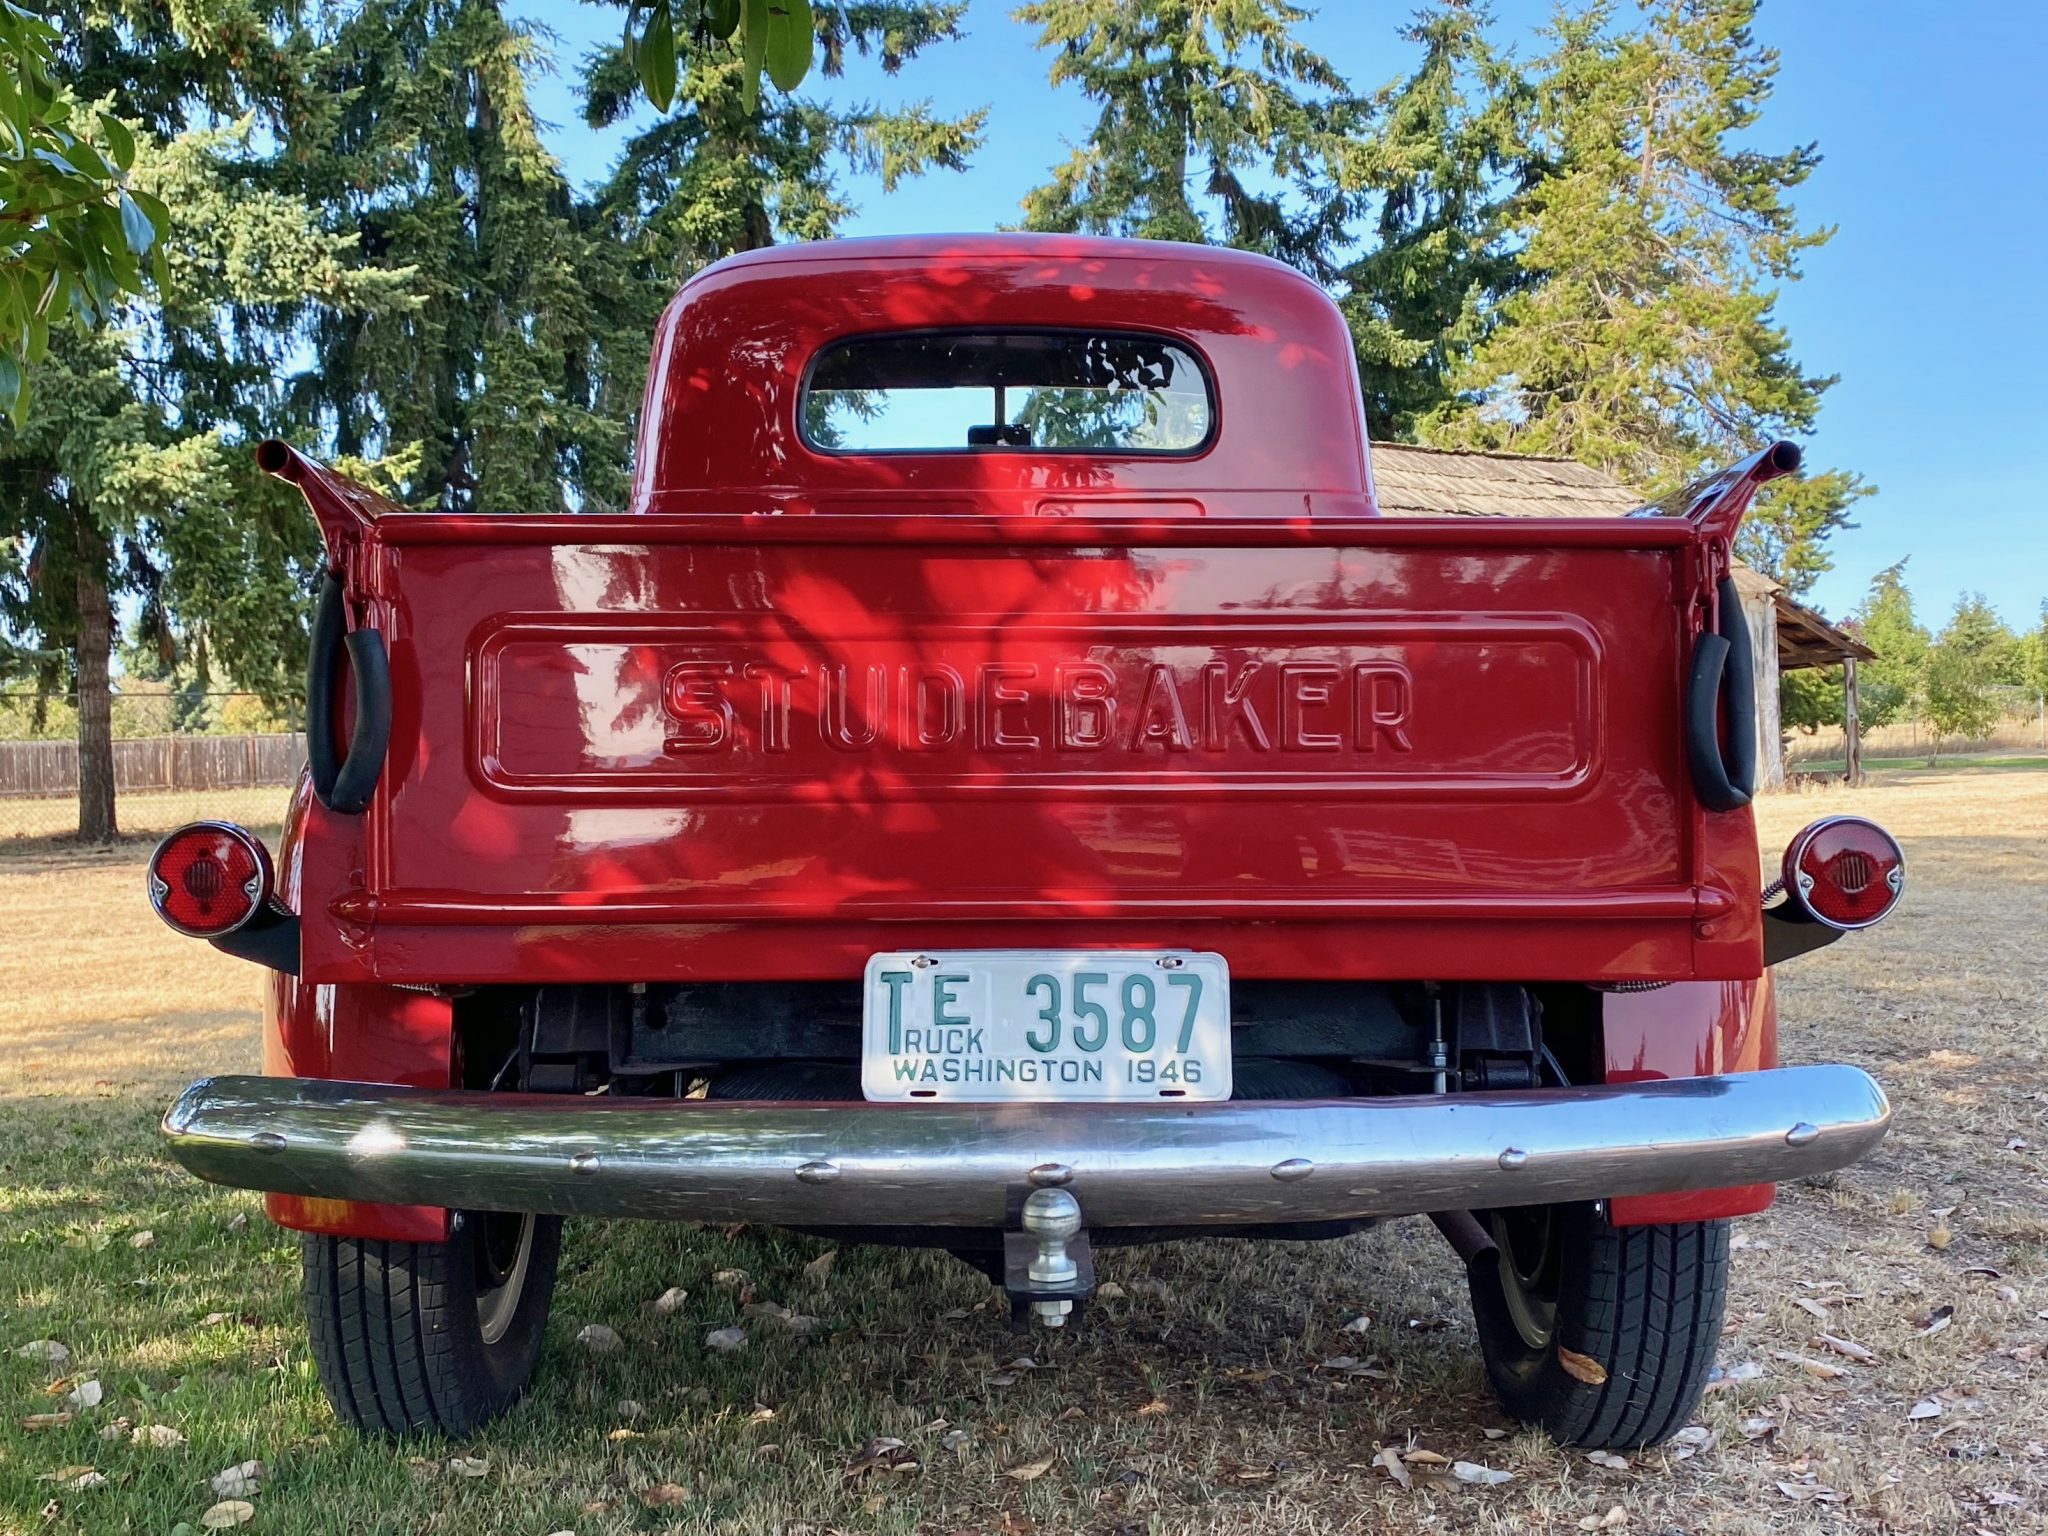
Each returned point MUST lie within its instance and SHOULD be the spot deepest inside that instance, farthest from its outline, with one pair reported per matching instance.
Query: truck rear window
(1117, 392)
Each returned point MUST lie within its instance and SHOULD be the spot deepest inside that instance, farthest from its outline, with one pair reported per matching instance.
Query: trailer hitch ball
(1051, 1218)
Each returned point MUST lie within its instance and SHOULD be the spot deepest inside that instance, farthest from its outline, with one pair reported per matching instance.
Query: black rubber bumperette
(344, 784)
(1723, 671)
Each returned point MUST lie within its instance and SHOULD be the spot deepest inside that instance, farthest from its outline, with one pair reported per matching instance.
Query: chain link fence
(179, 756)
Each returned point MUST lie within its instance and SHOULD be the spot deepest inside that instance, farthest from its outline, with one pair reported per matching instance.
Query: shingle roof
(1409, 481)
(1435, 482)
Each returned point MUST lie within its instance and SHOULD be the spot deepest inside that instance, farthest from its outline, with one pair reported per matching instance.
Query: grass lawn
(1879, 767)
(1230, 1389)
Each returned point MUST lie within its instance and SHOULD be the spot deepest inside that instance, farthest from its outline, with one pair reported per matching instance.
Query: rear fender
(353, 1031)
(1690, 1029)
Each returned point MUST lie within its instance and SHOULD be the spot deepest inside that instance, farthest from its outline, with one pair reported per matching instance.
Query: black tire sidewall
(1594, 1264)
(397, 1337)
(504, 1369)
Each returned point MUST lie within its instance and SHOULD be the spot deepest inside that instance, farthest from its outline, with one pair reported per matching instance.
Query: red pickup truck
(1003, 786)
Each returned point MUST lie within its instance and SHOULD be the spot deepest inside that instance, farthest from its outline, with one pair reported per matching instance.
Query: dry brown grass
(101, 1012)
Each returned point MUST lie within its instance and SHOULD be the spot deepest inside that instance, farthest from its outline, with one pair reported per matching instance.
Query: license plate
(1008, 1024)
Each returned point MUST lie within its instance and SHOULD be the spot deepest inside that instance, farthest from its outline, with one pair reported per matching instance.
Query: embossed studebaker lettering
(1291, 706)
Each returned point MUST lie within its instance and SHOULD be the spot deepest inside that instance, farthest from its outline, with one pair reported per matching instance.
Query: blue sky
(1931, 302)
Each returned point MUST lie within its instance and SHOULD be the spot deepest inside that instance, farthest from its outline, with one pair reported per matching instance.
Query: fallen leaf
(1031, 1471)
(1483, 1477)
(1418, 1457)
(726, 1340)
(820, 1269)
(956, 1441)
(883, 1453)
(1845, 1347)
(1936, 1320)
(1150, 1289)
(36, 1421)
(1109, 1290)
(1609, 1460)
(1359, 1324)
(227, 1513)
(143, 1239)
(664, 1495)
(1615, 1518)
(1389, 1461)
(78, 1477)
(1812, 1367)
(1759, 1428)
(86, 1394)
(49, 1351)
(468, 1466)
(159, 1436)
(1493, 1434)
(1802, 1493)
(1074, 1413)
(729, 1278)
(1003, 1379)
(1581, 1367)
(241, 1480)
(1926, 1408)
(1807, 1304)
(597, 1338)
(762, 1415)
(1153, 1409)
(670, 1300)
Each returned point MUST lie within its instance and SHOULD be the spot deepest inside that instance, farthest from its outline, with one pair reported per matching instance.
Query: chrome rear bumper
(1191, 1165)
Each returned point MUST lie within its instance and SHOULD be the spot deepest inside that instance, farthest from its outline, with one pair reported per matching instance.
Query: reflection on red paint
(1691, 1029)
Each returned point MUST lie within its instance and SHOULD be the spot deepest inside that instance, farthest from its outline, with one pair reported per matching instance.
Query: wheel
(1643, 1304)
(430, 1336)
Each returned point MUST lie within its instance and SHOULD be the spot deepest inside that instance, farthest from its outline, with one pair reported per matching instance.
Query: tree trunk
(90, 667)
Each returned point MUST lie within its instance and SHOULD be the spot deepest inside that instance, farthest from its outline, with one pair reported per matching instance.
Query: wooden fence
(41, 769)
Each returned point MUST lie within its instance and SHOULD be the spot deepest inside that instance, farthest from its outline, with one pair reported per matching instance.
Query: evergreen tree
(1645, 341)
(1976, 631)
(1888, 684)
(1217, 126)
(1810, 698)
(736, 169)
(1443, 159)
(482, 394)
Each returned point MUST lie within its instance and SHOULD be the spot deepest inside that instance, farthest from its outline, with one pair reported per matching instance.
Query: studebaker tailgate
(738, 747)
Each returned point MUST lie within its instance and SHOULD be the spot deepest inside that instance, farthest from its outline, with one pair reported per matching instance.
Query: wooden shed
(1409, 481)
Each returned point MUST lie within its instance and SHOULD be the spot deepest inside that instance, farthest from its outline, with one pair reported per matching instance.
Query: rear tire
(430, 1337)
(1645, 1304)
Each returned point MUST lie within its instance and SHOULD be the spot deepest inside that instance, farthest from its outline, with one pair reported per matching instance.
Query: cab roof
(725, 387)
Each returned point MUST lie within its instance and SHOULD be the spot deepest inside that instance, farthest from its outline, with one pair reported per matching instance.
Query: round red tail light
(1845, 871)
(209, 878)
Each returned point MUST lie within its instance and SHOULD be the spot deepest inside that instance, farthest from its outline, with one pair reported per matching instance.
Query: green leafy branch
(775, 36)
(73, 236)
